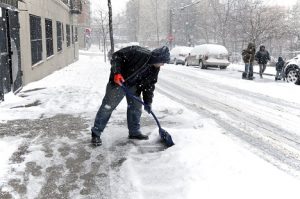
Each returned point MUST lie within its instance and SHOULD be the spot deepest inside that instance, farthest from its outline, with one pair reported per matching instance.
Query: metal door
(15, 54)
(10, 59)
(4, 54)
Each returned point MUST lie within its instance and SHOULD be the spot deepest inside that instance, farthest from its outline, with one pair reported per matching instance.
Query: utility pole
(111, 35)
(170, 36)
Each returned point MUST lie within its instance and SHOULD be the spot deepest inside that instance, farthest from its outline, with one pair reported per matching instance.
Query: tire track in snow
(255, 103)
(274, 144)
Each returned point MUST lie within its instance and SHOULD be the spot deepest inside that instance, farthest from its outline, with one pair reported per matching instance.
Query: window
(68, 35)
(3, 33)
(76, 34)
(59, 36)
(63, 32)
(49, 37)
(72, 34)
(36, 39)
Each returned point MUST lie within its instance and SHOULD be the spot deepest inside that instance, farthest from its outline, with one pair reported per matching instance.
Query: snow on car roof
(181, 49)
(210, 49)
(186, 50)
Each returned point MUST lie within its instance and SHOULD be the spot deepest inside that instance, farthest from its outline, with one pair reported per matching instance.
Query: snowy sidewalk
(45, 134)
(48, 126)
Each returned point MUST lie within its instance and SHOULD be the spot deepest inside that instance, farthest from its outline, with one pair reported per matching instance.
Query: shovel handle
(128, 93)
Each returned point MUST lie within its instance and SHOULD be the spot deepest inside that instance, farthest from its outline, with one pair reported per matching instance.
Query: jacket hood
(251, 45)
(262, 47)
(160, 55)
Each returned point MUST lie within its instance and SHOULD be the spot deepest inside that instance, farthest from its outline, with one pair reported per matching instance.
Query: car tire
(298, 80)
(292, 75)
(201, 65)
(223, 67)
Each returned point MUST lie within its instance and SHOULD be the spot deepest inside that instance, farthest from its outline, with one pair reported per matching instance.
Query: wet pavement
(55, 160)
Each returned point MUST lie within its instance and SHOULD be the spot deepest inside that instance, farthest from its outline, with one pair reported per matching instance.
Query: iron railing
(13, 3)
(76, 6)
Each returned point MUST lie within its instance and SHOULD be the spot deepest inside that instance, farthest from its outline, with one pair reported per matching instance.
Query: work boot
(139, 137)
(96, 141)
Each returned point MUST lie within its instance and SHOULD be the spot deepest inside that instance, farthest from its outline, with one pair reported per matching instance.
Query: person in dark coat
(248, 58)
(136, 68)
(262, 57)
(279, 69)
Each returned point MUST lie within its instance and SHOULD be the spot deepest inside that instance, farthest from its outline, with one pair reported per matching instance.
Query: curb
(268, 74)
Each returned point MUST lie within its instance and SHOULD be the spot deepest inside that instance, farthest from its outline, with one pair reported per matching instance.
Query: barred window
(76, 34)
(63, 32)
(36, 39)
(72, 34)
(49, 37)
(68, 35)
(59, 35)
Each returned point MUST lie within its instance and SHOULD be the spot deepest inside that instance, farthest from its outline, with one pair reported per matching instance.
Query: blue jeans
(279, 74)
(249, 68)
(113, 96)
(262, 68)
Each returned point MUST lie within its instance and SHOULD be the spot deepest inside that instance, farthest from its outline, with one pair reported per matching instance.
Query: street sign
(170, 38)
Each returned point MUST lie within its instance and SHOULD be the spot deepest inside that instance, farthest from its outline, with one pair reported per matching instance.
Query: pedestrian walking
(137, 68)
(248, 55)
(262, 57)
(279, 69)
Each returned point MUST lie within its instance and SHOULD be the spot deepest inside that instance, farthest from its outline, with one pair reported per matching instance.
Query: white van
(178, 54)
(208, 55)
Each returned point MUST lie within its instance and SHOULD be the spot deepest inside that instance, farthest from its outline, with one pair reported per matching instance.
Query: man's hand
(148, 108)
(118, 79)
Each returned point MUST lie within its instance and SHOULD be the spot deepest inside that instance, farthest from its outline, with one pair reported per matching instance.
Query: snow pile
(73, 90)
(204, 163)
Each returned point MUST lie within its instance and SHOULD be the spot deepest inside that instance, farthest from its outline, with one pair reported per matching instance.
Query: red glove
(118, 79)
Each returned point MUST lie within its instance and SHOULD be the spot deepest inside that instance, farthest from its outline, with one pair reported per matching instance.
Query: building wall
(56, 11)
(84, 21)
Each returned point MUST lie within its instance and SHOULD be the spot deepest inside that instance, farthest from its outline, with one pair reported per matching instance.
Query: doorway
(10, 59)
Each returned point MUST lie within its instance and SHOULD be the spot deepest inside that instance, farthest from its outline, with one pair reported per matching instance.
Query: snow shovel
(165, 136)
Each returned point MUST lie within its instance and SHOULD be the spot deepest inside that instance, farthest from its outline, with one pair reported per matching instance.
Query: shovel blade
(166, 137)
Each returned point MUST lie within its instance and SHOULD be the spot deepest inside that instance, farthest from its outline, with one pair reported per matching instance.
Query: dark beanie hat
(160, 55)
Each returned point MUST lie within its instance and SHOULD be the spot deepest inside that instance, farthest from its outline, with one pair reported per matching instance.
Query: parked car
(208, 55)
(178, 54)
(292, 70)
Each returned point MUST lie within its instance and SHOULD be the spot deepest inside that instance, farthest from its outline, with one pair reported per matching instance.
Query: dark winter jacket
(262, 56)
(249, 53)
(133, 63)
(279, 64)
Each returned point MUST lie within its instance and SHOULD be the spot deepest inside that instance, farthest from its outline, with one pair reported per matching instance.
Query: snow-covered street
(233, 138)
